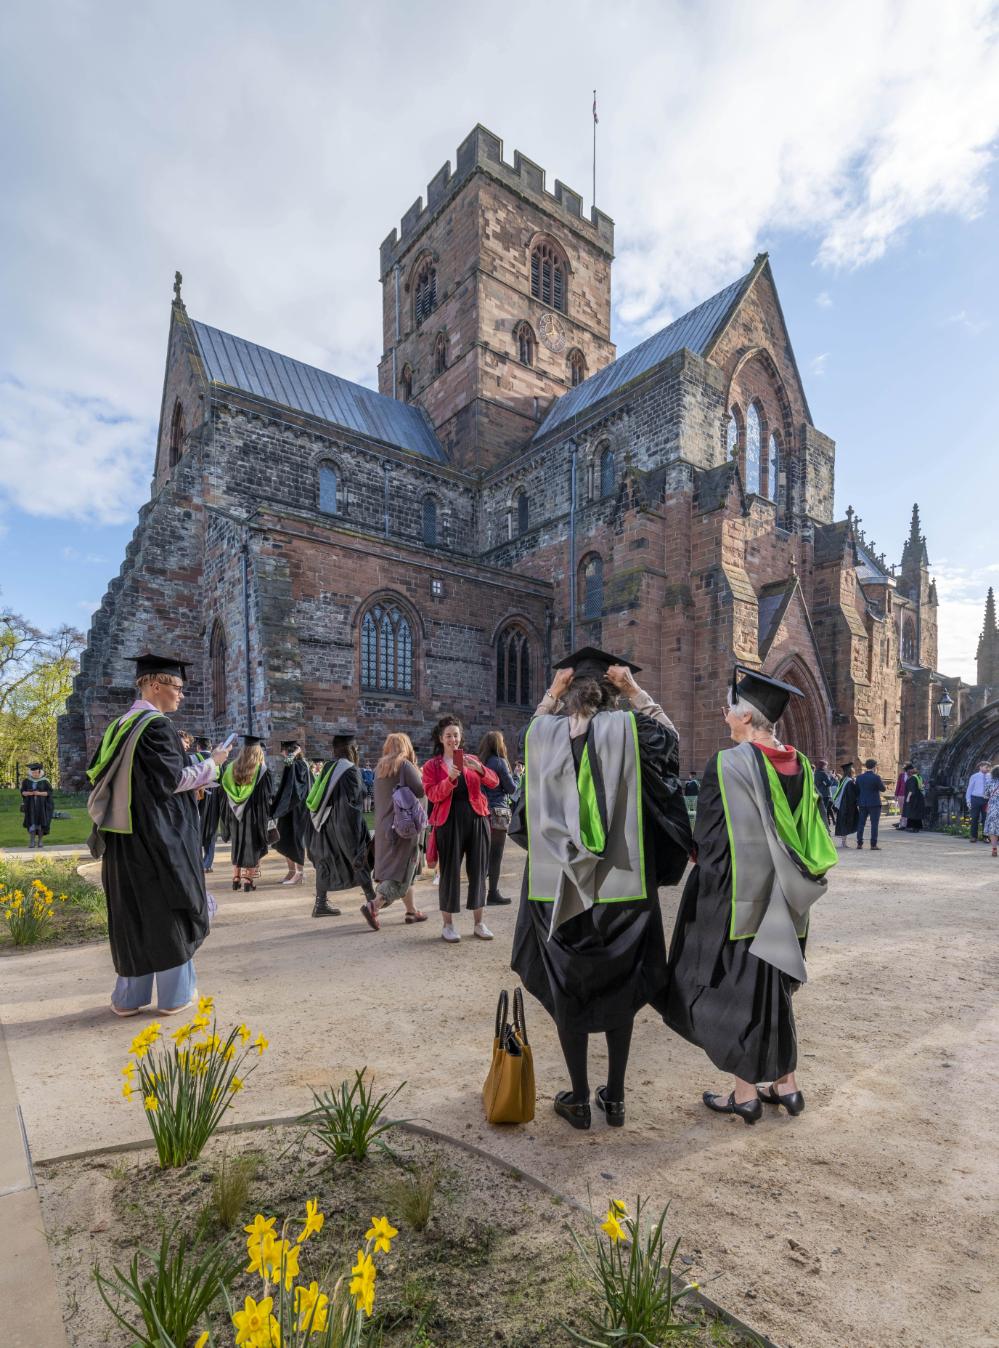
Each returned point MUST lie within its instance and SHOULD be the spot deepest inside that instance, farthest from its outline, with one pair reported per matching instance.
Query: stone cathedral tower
(920, 646)
(988, 647)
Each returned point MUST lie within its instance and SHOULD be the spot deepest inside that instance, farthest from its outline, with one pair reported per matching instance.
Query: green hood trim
(236, 793)
(841, 788)
(314, 799)
(591, 829)
(113, 736)
(803, 831)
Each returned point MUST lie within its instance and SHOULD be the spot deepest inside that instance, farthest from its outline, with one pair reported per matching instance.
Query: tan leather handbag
(508, 1093)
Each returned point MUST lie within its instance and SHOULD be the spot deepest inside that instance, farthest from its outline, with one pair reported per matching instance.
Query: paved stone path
(869, 1221)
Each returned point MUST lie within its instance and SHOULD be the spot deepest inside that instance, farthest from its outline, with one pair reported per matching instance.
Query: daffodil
(618, 1207)
(151, 1104)
(613, 1228)
(236, 1084)
(244, 1032)
(260, 1226)
(127, 1091)
(265, 1254)
(313, 1220)
(206, 1005)
(289, 1263)
(200, 1023)
(311, 1306)
(260, 1043)
(382, 1233)
(254, 1317)
(203, 1341)
(181, 1034)
(128, 1069)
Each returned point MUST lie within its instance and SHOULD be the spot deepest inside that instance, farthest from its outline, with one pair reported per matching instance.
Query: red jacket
(439, 788)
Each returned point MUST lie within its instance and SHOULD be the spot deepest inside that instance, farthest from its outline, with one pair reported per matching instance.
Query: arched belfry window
(773, 468)
(216, 654)
(513, 667)
(386, 650)
(549, 273)
(521, 512)
(754, 450)
(526, 343)
(425, 291)
(429, 522)
(176, 434)
(406, 383)
(909, 653)
(328, 486)
(591, 572)
(440, 353)
(607, 471)
(577, 367)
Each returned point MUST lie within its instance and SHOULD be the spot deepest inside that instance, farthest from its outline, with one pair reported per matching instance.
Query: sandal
(370, 916)
(415, 917)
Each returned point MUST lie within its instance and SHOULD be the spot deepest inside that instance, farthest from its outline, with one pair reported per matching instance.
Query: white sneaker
(448, 932)
(437, 878)
(482, 932)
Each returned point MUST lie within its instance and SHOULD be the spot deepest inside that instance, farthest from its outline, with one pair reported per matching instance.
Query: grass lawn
(75, 829)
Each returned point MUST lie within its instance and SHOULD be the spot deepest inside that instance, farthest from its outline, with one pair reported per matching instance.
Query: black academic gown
(37, 810)
(602, 966)
(288, 809)
(737, 1008)
(340, 849)
(914, 808)
(847, 813)
(152, 877)
(209, 808)
(248, 834)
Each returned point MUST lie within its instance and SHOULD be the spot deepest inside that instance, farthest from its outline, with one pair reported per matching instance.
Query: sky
(265, 151)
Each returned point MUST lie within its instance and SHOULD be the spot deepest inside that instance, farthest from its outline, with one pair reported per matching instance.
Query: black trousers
(465, 837)
(497, 841)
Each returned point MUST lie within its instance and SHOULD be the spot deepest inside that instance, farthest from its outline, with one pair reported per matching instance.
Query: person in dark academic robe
(339, 844)
(603, 819)
(209, 806)
(246, 786)
(290, 812)
(737, 953)
(845, 804)
(914, 803)
(37, 804)
(145, 818)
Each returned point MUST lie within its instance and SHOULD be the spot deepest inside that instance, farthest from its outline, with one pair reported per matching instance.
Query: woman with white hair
(738, 946)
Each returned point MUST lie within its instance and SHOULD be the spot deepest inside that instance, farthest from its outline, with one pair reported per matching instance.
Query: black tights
(497, 841)
(574, 1046)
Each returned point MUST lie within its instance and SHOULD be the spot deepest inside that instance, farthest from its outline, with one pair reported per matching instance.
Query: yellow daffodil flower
(151, 1104)
(229, 1053)
(260, 1043)
(617, 1206)
(311, 1306)
(382, 1233)
(313, 1220)
(265, 1255)
(203, 1341)
(244, 1032)
(289, 1263)
(236, 1084)
(206, 1005)
(127, 1091)
(200, 1023)
(260, 1226)
(181, 1034)
(612, 1228)
(254, 1317)
(128, 1069)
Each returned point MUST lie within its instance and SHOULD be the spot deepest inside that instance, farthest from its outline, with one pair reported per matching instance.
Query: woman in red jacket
(460, 820)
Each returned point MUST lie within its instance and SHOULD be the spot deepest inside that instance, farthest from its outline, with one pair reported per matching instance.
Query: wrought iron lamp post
(945, 706)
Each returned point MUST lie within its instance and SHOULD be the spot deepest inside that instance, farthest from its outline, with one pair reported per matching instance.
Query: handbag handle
(502, 1010)
(519, 1023)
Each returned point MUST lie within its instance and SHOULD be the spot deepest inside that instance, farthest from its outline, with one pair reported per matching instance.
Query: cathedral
(323, 555)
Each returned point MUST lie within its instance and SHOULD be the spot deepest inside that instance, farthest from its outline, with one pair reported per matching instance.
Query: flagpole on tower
(595, 120)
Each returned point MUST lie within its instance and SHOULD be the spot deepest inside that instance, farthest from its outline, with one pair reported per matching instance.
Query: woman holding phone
(454, 783)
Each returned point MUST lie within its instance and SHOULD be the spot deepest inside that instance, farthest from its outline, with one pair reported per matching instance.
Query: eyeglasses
(171, 683)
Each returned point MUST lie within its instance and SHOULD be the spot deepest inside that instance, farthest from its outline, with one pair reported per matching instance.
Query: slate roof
(239, 364)
(693, 331)
(869, 569)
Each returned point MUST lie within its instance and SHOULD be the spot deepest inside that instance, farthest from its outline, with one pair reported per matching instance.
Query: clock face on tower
(552, 332)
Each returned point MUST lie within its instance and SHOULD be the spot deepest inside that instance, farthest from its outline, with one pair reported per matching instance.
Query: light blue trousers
(174, 987)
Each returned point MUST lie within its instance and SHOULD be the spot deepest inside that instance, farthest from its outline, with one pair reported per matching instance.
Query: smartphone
(229, 740)
(459, 759)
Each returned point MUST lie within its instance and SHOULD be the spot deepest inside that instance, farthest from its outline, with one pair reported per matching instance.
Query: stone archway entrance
(974, 741)
(805, 722)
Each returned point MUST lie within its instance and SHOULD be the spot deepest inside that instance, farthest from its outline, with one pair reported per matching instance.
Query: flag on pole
(596, 119)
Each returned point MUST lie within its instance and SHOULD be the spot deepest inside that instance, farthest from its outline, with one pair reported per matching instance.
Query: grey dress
(395, 857)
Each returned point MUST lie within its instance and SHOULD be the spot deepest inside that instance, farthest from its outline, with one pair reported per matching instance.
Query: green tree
(36, 676)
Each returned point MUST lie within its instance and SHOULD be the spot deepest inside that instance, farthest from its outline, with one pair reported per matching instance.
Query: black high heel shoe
(576, 1114)
(248, 886)
(613, 1109)
(236, 884)
(750, 1112)
(793, 1102)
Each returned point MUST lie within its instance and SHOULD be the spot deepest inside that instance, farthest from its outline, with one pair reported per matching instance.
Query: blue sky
(269, 158)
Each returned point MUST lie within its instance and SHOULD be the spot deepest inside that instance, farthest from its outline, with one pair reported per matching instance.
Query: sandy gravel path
(870, 1221)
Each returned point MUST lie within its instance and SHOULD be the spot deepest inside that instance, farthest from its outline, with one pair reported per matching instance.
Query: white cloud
(961, 591)
(817, 365)
(824, 300)
(962, 319)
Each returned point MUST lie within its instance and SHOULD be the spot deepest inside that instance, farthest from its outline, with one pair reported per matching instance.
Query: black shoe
(248, 886)
(236, 884)
(793, 1102)
(859, 846)
(495, 900)
(613, 1109)
(750, 1112)
(577, 1115)
(875, 847)
(323, 908)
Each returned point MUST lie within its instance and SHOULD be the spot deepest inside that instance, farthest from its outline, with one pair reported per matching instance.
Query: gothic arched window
(909, 653)
(386, 650)
(521, 512)
(513, 667)
(591, 571)
(754, 450)
(327, 488)
(440, 353)
(176, 434)
(549, 273)
(526, 343)
(429, 522)
(425, 291)
(406, 383)
(773, 468)
(607, 472)
(577, 367)
(216, 654)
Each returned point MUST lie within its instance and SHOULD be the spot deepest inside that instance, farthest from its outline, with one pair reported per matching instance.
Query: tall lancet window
(754, 450)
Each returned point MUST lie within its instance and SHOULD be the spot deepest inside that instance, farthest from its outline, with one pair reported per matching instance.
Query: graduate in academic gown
(146, 833)
(36, 804)
(246, 786)
(604, 822)
(914, 804)
(845, 799)
(290, 812)
(738, 945)
(209, 806)
(339, 844)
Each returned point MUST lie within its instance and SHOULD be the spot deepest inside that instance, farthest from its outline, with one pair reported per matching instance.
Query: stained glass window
(386, 651)
(773, 468)
(754, 451)
(327, 488)
(593, 587)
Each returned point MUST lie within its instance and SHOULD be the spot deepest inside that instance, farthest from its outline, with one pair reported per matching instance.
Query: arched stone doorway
(805, 724)
(975, 741)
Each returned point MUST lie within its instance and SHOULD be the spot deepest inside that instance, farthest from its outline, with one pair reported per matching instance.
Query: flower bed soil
(494, 1266)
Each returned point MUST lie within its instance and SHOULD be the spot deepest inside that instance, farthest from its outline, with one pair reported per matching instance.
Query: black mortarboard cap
(589, 663)
(32, 767)
(345, 733)
(290, 744)
(770, 696)
(159, 664)
(845, 767)
(250, 740)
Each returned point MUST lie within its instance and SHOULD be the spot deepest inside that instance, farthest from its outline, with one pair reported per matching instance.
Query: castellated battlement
(482, 150)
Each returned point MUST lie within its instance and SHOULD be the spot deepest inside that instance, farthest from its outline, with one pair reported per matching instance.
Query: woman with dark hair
(454, 783)
(492, 751)
(603, 818)
(914, 802)
(396, 857)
